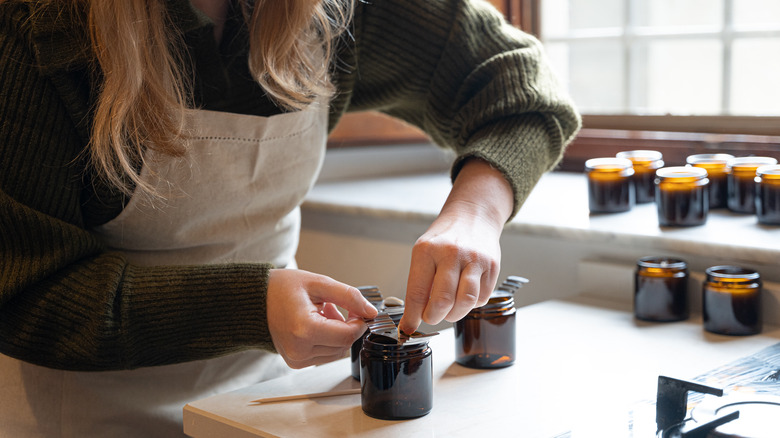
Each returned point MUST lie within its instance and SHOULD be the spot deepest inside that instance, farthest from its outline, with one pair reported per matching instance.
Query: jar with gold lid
(645, 163)
(681, 196)
(610, 184)
(731, 300)
(717, 169)
(768, 195)
(742, 184)
(661, 289)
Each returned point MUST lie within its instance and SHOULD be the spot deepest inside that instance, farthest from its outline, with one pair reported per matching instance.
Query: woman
(153, 155)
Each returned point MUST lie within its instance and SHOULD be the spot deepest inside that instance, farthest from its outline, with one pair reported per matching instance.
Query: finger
(317, 360)
(418, 288)
(334, 333)
(443, 293)
(330, 311)
(343, 295)
(468, 292)
(487, 284)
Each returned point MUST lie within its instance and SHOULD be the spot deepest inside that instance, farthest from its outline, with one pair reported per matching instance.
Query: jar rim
(370, 343)
(732, 272)
(770, 169)
(620, 163)
(681, 172)
(751, 161)
(661, 262)
(640, 153)
(708, 158)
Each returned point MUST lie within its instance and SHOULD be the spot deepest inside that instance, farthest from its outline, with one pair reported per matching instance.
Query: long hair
(144, 97)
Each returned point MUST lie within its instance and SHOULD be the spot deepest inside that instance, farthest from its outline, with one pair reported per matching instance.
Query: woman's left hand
(456, 262)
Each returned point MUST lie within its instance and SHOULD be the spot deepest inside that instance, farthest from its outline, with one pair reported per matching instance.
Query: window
(681, 76)
(678, 76)
(679, 57)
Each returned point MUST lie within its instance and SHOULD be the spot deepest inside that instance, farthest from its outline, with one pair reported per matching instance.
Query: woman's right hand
(305, 324)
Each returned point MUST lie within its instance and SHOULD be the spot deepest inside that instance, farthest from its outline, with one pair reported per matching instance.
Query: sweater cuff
(520, 147)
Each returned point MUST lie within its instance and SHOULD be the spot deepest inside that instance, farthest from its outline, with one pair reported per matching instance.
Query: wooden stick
(306, 396)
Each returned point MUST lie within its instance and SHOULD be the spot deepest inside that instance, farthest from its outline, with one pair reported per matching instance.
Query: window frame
(602, 135)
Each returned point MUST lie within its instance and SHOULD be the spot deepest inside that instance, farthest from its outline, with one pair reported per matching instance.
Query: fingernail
(369, 308)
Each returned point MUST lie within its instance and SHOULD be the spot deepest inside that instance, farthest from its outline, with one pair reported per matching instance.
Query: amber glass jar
(768, 194)
(681, 196)
(742, 184)
(610, 184)
(661, 289)
(717, 169)
(731, 300)
(645, 164)
(396, 380)
(485, 337)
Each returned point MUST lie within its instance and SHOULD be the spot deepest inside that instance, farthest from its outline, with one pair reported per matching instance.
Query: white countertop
(578, 362)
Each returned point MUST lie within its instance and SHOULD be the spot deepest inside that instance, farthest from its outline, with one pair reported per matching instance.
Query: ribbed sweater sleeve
(64, 301)
(472, 82)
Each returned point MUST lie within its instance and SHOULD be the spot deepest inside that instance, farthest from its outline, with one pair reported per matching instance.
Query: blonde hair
(144, 96)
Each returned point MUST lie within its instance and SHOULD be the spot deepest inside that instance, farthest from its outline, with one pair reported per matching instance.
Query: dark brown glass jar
(717, 169)
(610, 184)
(742, 183)
(731, 301)
(768, 195)
(485, 337)
(396, 380)
(645, 164)
(661, 289)
(681, 196)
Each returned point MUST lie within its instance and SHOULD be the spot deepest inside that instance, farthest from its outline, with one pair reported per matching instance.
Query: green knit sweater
(451, 67)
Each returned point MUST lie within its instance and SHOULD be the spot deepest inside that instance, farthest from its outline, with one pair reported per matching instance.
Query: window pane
(561, 16)
(755, 87)
(596, 78)
(558, 53)
(683, 77)
(663, 13)
(756, 12)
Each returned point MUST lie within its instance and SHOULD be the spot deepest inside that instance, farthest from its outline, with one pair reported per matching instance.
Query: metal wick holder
(382, 325)
(513, 283)
(672, 406)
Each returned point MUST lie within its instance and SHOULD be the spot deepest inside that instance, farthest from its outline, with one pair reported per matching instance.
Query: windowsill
(554, 240)
(557, 208)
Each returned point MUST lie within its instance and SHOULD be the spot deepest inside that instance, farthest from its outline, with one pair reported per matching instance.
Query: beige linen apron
(234, 197)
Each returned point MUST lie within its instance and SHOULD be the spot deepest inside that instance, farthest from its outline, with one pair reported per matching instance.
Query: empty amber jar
(661, 289)
(610, 184)
(396, 380)
(681, 196)
(485, 337)
(768, 194)
(742, 184)
(731, 300)
(717, 169)
(645, 164)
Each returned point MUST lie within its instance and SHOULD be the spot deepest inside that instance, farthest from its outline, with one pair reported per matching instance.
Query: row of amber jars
(731, 295)
(684, 195)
